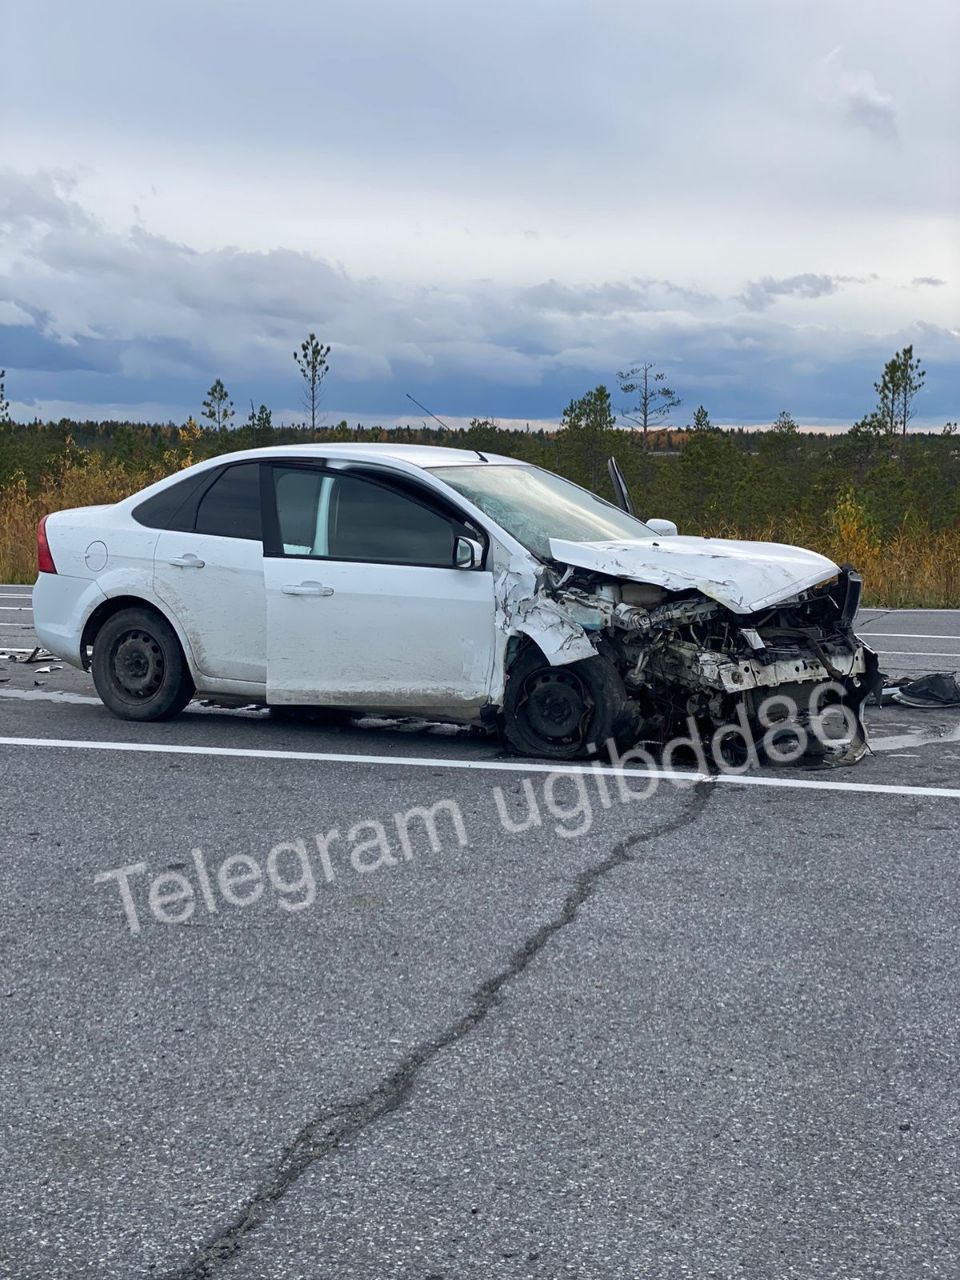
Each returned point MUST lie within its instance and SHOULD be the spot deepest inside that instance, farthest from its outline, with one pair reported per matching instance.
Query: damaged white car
(441, 583)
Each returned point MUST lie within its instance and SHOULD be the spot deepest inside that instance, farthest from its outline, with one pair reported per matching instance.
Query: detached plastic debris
(939, 689)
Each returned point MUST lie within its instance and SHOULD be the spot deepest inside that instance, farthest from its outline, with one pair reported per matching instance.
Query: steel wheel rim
(137, 665)
(556, 707)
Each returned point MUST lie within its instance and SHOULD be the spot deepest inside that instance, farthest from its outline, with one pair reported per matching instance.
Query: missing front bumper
(715, 671)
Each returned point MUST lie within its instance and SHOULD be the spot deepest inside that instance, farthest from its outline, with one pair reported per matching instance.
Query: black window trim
(383, 477)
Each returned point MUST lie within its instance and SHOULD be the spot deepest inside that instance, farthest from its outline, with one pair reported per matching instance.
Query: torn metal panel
(742, 576)
(523, 607)
(37, 654)
(710, 670)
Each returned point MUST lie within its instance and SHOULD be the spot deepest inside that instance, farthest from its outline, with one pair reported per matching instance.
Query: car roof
(408, 456)
(418, 455)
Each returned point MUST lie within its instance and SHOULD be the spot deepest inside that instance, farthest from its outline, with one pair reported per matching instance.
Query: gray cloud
(857, 95)
(500, 249)
(872, 110)
(39, 200)
(395, 102)
(173, 306)
(611, 298)
(759, 294)
(934, 281)
(129, 316)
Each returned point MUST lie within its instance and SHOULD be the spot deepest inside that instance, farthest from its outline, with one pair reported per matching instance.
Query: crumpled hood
(743, 576)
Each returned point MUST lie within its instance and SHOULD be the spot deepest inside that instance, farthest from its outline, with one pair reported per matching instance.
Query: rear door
(210, 575)
(364, 606)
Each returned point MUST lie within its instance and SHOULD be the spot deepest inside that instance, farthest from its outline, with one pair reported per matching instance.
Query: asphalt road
(707, 1033)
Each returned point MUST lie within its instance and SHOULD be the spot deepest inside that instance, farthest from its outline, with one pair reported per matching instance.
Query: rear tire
(139, 668)
(566, 712)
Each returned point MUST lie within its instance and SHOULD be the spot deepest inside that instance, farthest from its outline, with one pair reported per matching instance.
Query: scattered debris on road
(36, 654)
(930, 692)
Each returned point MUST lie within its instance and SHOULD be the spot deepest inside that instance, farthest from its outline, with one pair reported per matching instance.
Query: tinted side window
(300, 512)
(341, 517)
(369, 522)
(231, 506)
(163, 509)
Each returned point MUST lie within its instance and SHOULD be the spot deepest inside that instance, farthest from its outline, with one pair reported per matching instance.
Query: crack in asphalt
(332, 1129)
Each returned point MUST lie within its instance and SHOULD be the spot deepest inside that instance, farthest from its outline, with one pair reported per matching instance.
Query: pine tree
(785, 424)
(260, 422)
(585, 436)
(901, 382)
(655, 399)
(701, 420)
(218, 407)
(311, 360)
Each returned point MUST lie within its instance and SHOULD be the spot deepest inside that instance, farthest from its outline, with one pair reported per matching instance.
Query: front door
(364, 606)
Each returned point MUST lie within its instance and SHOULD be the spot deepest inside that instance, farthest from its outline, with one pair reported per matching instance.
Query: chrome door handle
(306, 589)
(188, 561)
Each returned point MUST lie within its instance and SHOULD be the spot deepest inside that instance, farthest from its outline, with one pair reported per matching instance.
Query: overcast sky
(490, 206)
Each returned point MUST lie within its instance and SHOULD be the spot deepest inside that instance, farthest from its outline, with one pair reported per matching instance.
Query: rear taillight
(44, 558)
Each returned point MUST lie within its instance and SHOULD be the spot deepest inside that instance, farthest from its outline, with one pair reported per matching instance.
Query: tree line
(877, 496)
(706, 478)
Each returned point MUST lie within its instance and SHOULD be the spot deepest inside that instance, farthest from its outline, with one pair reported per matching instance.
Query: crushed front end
(683, 657)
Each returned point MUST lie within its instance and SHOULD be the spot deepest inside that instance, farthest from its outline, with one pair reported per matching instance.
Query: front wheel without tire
(564, 712)
(139, 669)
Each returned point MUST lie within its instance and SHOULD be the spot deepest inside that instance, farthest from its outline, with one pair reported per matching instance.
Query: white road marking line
(88, 700)
(920, 739)
(912, 635)
(15, 608)
(886, 742)
(484, 766)
(895, 653)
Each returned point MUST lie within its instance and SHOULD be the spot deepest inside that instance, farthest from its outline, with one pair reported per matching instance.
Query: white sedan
(442, 583)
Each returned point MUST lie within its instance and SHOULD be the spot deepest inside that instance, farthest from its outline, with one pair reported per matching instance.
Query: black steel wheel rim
(556, 706)
(137, 665)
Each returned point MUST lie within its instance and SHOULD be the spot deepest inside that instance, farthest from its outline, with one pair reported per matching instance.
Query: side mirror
(467, 554)
(666, 528)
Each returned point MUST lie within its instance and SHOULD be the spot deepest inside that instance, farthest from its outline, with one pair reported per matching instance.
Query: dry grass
(915, 567)
(76, 484)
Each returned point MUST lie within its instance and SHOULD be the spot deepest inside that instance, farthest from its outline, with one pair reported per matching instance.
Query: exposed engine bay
(684, 657)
